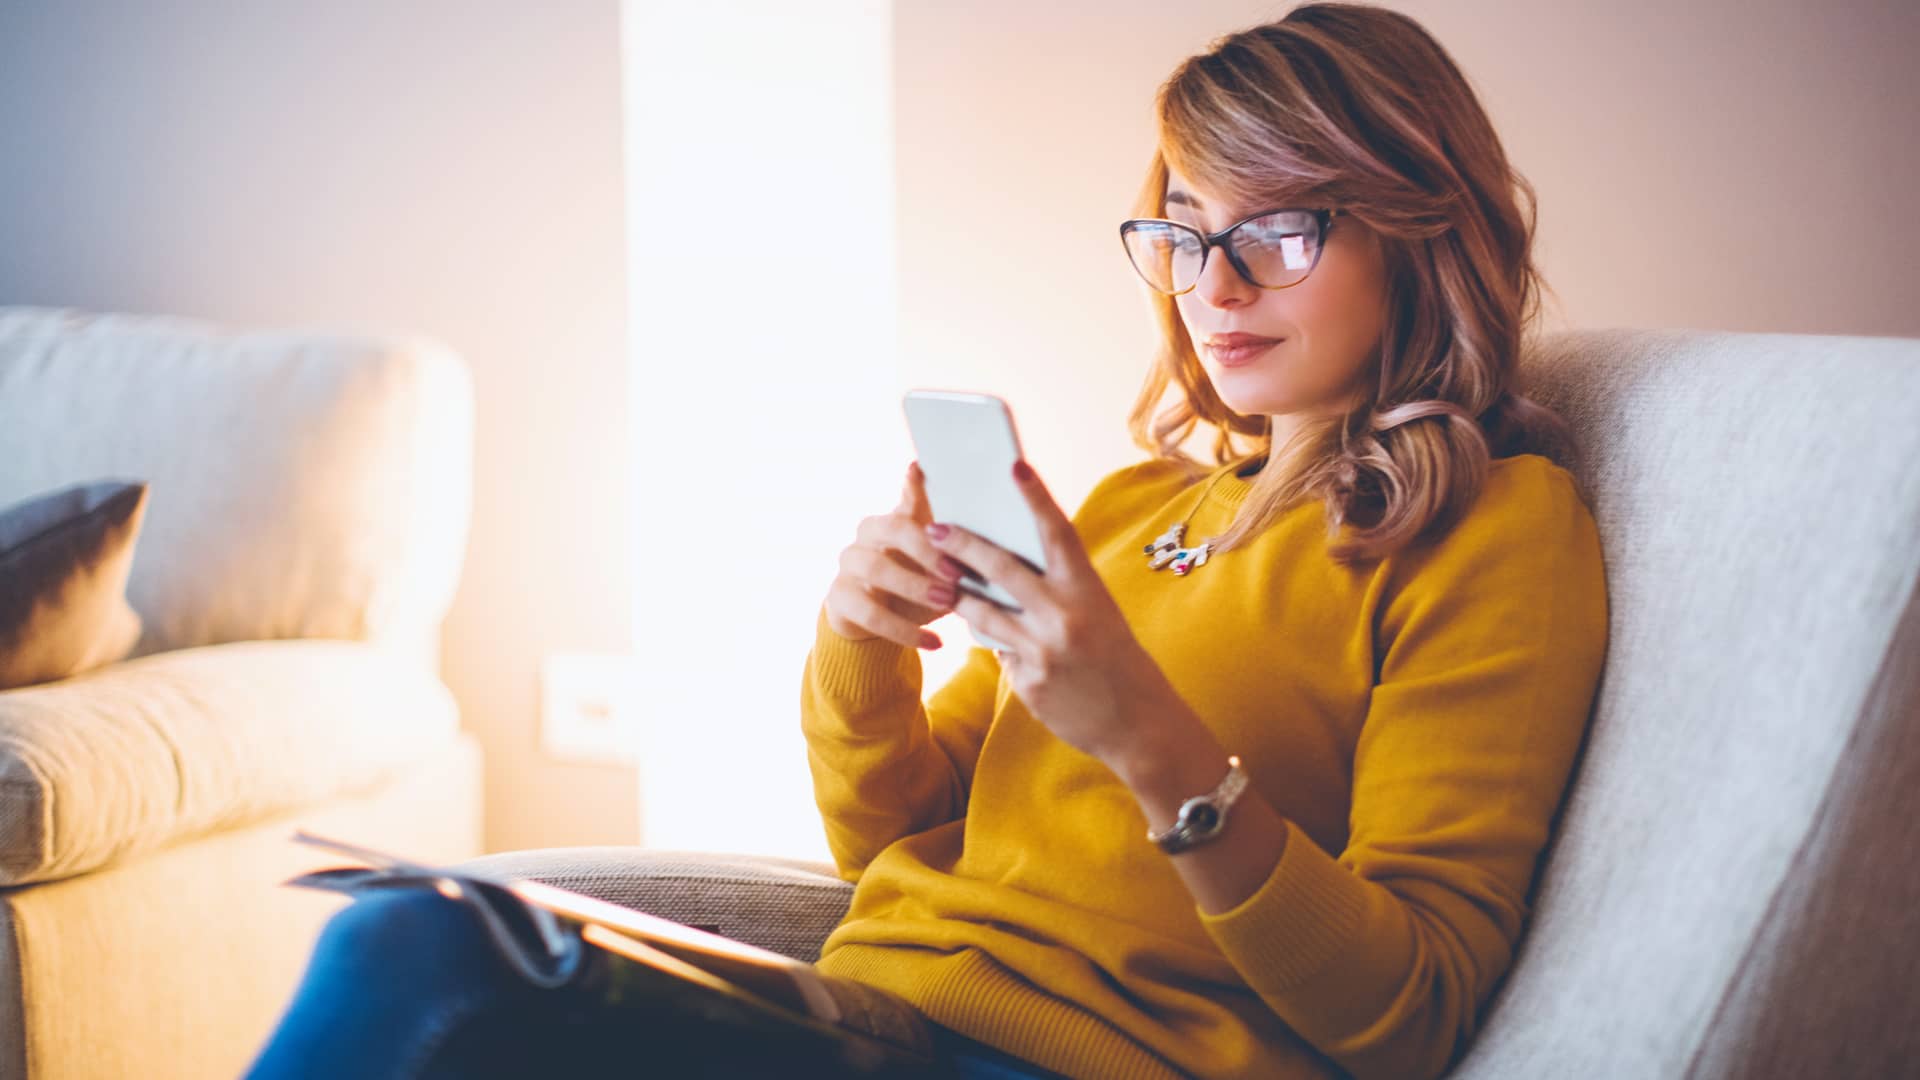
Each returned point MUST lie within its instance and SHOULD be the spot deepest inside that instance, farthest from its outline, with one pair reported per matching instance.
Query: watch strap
(1202, 817)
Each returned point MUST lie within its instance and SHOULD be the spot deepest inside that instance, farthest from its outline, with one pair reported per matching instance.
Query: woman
(1366, 687)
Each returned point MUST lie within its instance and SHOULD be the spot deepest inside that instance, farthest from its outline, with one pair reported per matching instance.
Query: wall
(444, 166)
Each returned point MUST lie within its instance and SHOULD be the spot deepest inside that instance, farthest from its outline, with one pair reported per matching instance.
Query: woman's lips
(1241, 353)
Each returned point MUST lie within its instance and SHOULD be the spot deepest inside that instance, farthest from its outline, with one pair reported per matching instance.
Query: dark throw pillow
(64, 559)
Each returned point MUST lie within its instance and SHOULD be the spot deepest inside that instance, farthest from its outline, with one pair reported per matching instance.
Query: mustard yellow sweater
(1413, 720)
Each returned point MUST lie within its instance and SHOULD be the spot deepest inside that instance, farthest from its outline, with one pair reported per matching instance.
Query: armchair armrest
(788, 906)
(138, 755)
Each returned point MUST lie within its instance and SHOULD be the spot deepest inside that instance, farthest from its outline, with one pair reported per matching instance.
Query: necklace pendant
(1166, 551)
(1188, 558)
(1166, 547)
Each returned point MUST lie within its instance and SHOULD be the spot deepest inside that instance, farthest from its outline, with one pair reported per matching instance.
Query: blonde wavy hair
(1358, 107)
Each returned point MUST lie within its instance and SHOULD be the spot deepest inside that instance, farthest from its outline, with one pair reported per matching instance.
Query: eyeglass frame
(1208, 241)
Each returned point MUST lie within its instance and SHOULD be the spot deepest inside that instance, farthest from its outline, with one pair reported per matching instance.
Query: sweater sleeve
(884, 765)
(1491, 647)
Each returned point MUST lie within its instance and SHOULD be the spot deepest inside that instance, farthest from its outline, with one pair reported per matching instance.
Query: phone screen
(966, 445)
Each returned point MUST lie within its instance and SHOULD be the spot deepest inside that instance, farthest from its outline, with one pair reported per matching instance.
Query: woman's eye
(1263, 236)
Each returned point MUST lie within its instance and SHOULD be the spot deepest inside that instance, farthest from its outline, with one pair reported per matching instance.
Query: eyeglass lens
(1277, 249)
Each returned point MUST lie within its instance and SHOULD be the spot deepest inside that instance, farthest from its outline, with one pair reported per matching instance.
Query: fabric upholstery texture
(64, 558)
(783, 905)
(129, 758)
(1760, 514)
(324, 492)
(1731, 888)
(175, 964)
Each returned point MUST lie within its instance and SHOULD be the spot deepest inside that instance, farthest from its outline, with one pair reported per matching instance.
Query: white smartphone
(966, 445)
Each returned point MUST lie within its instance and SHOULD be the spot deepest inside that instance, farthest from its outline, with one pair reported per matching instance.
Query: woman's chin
(1249, 405)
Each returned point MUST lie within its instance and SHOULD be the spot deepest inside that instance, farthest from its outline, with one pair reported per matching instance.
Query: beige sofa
(305, 528)
(1734, 887)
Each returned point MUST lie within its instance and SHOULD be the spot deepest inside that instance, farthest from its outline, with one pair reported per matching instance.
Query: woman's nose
(1220, 285)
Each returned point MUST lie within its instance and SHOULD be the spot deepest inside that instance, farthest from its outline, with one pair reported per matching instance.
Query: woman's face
(1323, 332)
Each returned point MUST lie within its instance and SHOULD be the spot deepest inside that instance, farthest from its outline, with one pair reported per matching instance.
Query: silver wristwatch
(1202, 817)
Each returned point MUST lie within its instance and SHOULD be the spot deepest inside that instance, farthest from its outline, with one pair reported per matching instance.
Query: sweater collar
(1231, 489)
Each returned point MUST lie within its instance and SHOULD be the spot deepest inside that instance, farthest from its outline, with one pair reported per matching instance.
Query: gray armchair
(1734, 885)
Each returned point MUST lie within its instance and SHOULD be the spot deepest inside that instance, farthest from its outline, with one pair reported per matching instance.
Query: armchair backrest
(1733, 885)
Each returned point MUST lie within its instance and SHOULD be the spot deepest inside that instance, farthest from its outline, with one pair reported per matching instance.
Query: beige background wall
(455, 168)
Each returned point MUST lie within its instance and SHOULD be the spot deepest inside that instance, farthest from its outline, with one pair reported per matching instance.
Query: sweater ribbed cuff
(1308, 912)
(861, 673)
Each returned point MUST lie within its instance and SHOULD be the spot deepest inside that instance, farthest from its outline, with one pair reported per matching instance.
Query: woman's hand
(888, 575)
(1071, 656)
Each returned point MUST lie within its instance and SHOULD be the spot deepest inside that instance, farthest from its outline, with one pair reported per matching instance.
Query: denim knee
(386, 924)
(393, 974)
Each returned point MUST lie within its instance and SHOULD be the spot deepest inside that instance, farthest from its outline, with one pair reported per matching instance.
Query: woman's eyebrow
(1181, 198)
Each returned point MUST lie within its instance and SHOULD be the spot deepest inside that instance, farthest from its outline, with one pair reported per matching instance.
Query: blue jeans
(404, 983)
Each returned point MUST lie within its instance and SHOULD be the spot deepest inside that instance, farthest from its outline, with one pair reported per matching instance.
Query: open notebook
(545, 934)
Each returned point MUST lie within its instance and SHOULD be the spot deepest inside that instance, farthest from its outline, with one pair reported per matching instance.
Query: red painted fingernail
(937, 531)
(1022, 471)
(928, 640)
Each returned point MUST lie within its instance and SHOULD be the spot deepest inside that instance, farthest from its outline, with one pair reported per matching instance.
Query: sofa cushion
(64, 558)
(140, 754)
(785, 905)
(309, 483)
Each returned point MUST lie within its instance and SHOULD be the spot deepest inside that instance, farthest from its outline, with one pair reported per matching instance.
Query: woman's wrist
(1171, 756)
(1168, 756)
